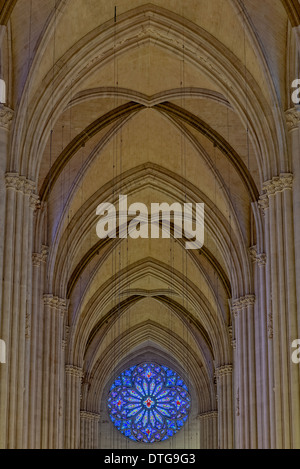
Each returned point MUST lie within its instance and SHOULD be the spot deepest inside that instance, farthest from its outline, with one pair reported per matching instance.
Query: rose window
(149, 403)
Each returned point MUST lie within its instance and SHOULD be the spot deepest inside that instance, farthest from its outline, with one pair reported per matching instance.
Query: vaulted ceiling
(168, 101)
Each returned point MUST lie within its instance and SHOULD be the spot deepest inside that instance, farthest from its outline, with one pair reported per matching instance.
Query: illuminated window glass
(149, 403)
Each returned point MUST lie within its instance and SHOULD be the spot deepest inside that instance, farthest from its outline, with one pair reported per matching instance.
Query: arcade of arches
(168, 101)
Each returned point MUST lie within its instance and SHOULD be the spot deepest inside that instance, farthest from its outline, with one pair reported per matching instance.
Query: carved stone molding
(91, 416)
(208, 415)
(64, 344)
(38, 258)
(50, 300)
(29, 188)
(23, 185)
(237, 403)
(260, 259)
(270, 326)
(292, 117)
(44, 253)
(28, 326)
(74, 371)
(59, 304)
(263, 203)
(6, 117)
(243, 302)
(223, 371)
(34, 202)
(232, 340)
(278, 184)
(275, 185)
(66, 337)
(14, 181)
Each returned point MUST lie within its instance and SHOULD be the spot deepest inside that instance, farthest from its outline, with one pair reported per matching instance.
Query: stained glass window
(149, 403)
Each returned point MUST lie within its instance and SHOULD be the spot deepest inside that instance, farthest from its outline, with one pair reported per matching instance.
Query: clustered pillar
(53, 376)
(74, 375)
(245, 372)
(89, 424)
(16, 293)
(224, 392)
(209, 430)
(277, 203)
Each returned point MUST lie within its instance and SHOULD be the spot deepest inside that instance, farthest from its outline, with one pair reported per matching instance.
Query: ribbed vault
(163, 102)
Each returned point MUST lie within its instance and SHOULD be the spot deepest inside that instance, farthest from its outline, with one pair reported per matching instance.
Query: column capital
(292, 118)
(263, 203)
(34, 201)
(213, 414)
(60, 304)
(277, 184)
(40, 257)
(223, 371)
(6, 117)
(44, 253)
(14, 181)
(239, 303)
(74, 371)
(36, 259)
(92, 416)
(20, 184)
(260, 259)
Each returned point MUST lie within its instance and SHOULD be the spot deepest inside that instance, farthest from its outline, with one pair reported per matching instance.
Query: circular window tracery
(149, 403)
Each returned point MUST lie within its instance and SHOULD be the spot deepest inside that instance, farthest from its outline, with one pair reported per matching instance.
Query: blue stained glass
(149, 403)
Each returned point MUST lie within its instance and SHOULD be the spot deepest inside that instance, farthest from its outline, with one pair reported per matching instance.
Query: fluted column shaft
(208, 430)
(263, 333)
(6, 116)
(293, 126)
(20, 200)
(72, 406)
(36, 350)
(89, 423)
(246, 412)
(52, 398)
(282, 305)
(225, 395)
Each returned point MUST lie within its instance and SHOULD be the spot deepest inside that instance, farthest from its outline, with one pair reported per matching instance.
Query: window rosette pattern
(149, 403)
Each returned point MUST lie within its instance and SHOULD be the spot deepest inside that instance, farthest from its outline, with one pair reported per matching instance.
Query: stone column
(208, 430)
(34, 204)
(74, 376)
(270, 402)
(225, 397)
(6, 117)
(293, 127)
(36, 350)
(89, 423)
(15, 293)
(52, 397)
(283, 321)
(262, 351)
(246, 417)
